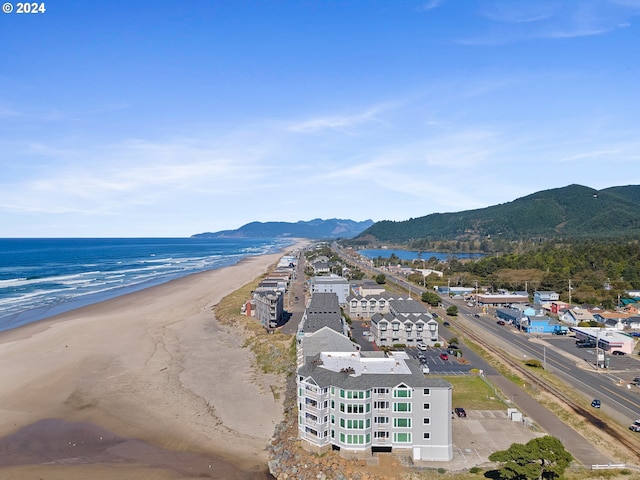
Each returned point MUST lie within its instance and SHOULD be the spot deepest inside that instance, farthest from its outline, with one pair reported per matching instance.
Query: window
(395, 326)
(402, 437)
(426, 420)
(381, 391)
(426, 391)
(401, 407)
(355, 408)
(426, 435)
(381, 420)
(402, 422)
(380, 434)
(402, 393)
(381, 405)
(426, 406)
(383, 327)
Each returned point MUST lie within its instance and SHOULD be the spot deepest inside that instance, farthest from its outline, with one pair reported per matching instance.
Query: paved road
(296, 300)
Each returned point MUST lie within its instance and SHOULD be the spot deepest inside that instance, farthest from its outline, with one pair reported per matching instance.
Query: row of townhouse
(407, 323)
(365, 307)
(365, 402)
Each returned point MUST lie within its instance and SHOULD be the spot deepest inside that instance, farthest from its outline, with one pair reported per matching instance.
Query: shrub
(533, 362)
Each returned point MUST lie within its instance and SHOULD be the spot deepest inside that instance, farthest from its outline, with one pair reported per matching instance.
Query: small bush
(474, 470)
(532, 362)
(442, 471)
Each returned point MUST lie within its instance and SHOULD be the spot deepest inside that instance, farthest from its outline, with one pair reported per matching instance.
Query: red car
(444, 356)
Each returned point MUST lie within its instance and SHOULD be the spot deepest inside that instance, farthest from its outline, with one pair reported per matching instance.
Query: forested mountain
(571, 212)
(314, 229)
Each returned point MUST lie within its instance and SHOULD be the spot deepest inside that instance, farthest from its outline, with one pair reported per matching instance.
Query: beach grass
(274, 352)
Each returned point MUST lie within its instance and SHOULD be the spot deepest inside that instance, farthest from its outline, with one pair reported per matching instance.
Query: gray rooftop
(359, 373)
(327, 340)
(407, 306)
(323, 311)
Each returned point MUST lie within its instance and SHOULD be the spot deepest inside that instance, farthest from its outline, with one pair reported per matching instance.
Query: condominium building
(331, 284)
(407, 323)
(362, 404)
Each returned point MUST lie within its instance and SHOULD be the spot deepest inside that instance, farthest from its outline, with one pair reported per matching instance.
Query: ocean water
(42, 277)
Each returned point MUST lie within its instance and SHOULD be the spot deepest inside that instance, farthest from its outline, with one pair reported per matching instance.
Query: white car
(421, 346)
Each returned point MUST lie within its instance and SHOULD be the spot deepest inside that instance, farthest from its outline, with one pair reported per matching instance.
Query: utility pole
(569, 292)
(476, 293)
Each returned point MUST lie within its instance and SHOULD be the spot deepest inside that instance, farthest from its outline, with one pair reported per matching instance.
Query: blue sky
(169, 118)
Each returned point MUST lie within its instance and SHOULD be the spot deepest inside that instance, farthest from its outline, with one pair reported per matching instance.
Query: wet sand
(147, 386)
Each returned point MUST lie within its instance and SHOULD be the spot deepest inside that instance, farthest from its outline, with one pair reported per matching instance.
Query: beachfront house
(269, 305)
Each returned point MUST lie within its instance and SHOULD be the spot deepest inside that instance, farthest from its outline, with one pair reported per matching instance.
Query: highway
(559, 354)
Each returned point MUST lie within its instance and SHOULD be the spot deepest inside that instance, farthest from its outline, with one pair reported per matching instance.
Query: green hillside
(574, 211)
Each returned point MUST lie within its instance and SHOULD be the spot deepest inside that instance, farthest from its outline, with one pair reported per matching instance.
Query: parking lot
(481, 433)
(434, 359)
(626, 367)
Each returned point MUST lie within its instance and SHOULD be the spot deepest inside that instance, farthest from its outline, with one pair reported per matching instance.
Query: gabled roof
(407, 306)
(327, 340)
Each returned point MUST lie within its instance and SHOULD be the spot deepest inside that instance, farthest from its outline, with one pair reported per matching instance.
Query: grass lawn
(473, 393)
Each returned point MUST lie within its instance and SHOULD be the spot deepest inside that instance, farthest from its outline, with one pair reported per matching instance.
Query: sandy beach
(146, 385)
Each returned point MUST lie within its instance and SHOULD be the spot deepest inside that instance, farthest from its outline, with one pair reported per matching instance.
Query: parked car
(595, 403)
(421, 346)
(444, 356)
(617, 352)
(434, 315)
(446, 324)
(634, 428)
(477, 315)
(500, 322)
(421, 356)
(460, 412)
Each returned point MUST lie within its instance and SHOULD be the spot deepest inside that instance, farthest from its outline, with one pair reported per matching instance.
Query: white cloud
(341, 122)
(430, 5)
(527, 20)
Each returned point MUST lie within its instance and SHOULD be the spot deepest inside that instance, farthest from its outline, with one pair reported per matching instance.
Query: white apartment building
(365, 404)
(331, 284)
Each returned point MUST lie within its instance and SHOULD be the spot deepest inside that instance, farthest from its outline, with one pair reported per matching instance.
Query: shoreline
(153, 366)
